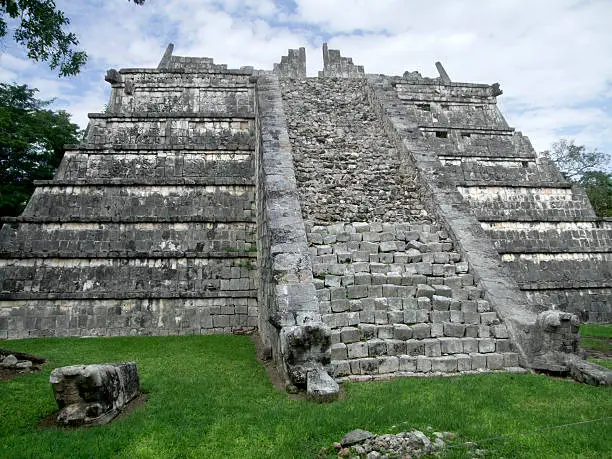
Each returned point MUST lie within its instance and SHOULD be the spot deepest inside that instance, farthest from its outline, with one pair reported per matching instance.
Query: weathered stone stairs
(400, 301)
(149, 226)
(544, 229)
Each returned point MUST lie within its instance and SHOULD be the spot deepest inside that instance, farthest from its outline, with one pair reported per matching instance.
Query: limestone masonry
(368, 226)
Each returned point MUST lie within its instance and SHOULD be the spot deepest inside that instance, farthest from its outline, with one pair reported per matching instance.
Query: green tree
(32, 140)
(41, 28)
(598, 186)
(585, 168)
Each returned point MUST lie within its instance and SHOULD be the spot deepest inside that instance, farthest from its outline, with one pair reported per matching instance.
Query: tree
(40, 27)
(574, 160)
(32, 140)
(598, 186)
(585, 168)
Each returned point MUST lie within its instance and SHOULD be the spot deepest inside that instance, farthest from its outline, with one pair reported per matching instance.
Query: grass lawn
(208, 397)
(596, 339)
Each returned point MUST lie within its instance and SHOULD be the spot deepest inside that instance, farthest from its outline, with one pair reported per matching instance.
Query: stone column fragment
(93, 394)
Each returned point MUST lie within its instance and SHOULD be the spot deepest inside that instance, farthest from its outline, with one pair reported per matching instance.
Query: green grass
(596, 330)
(209, 397)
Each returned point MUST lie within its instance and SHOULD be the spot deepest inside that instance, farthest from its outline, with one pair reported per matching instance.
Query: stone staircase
(399, 301)
(149, 226)
(544, 229)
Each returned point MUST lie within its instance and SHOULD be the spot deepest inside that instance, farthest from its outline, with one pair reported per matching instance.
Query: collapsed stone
(93, 394)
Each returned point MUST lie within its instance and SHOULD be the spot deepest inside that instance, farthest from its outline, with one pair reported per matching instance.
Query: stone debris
(362, 444)
(93, 394)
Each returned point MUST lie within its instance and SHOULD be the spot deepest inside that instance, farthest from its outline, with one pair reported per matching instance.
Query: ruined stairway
(544, 229)
(149, 226)
(400, 301)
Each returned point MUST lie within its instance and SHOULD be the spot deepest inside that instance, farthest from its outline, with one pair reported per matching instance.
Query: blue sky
(552, 58)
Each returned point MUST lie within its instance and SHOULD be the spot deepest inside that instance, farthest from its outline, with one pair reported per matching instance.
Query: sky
(552, 58)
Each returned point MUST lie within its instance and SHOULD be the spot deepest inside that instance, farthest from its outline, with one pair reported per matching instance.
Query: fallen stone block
(93, 394)
(320, 386)
(589, 373)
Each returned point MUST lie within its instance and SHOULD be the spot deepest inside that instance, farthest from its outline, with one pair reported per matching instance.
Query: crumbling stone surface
(363, 444)
(93, 394)
(345, 167)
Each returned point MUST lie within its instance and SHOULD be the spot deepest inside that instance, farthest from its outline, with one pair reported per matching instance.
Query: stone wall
(149, 226)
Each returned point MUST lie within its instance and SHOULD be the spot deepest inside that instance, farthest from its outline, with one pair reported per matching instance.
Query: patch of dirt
(137, 402)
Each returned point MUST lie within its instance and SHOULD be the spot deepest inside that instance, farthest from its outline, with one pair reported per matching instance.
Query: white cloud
(550, 56)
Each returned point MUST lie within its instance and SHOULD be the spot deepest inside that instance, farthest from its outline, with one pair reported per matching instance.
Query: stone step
(518, 203)
(149, 276)
(125, 316)
(431, 347)
(547, 237)
(353, 312)
(536, 271)
(103, 202)
(207, 132)
(404, 365)
(128, 239)
(489, 327)
(157, 165)
(148, 181)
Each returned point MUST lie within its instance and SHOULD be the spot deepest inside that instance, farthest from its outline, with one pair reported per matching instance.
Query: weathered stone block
(389, 364)
(93, 394)
(444, 364)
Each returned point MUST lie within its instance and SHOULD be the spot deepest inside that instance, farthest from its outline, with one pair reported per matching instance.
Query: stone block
(402, 331)
(503, 345)
(340, 368)
(415, 347)
(437, 329)
(338, 351)
(464, 362)
(93, 394)
(439, 316)
(376, 347)
(500, 331)
(357, 291)
(424, 290)
(388, 364)
(350, 335)
(440, 303)
(368, 366)
(486, 345)
(396, 347)
(511, 359)
(454, 329)
(456, 317)
(357, 350)
(432, 347)
(421, 331)
(385, 332)
(407, 363)
(423, 364)
(495, 361)
(320, 386)
(489, 318)
(444, 364)
(479, 361)
(470, 345)
(451, 346)
(368, 331)
(342, 305)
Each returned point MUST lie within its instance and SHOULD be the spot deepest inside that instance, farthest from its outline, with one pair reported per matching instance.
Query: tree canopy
(587, 169)
(41, 28)
(32, 140)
